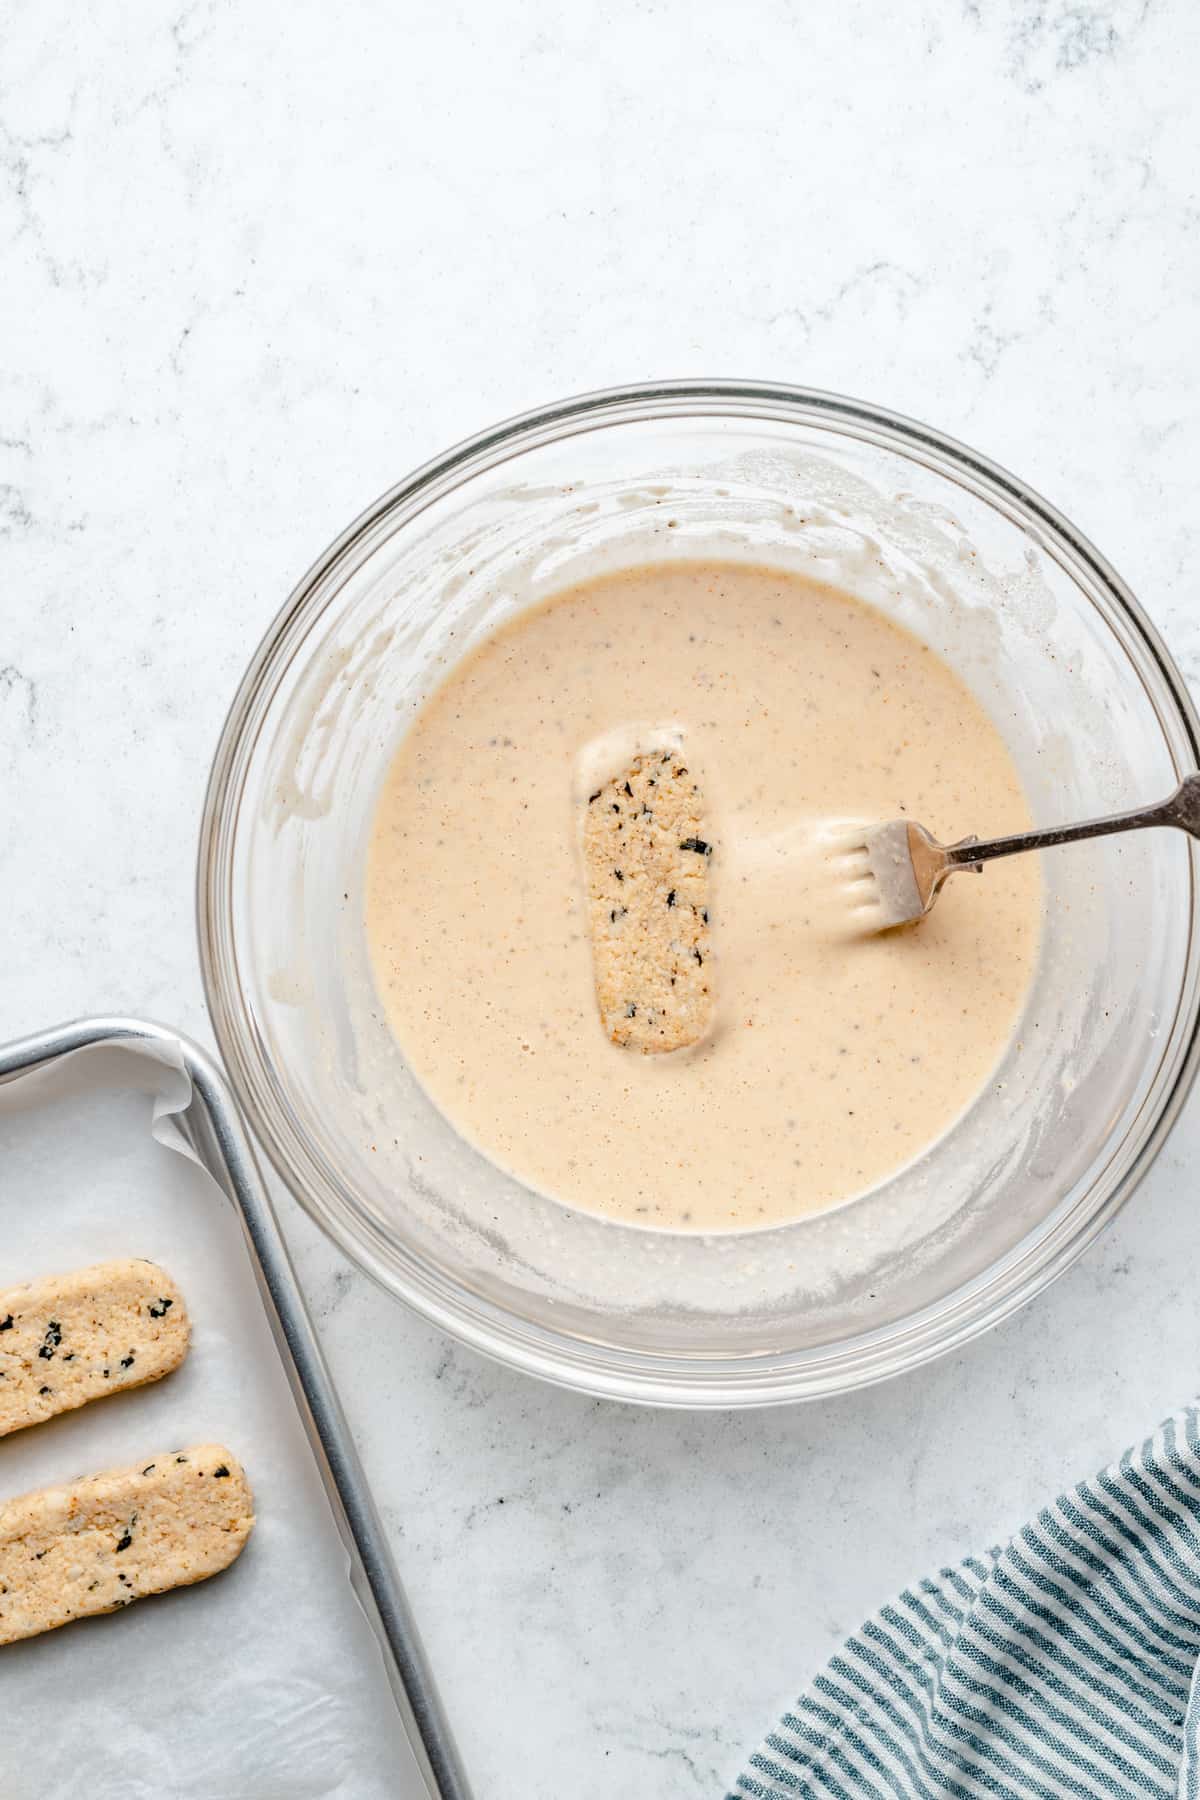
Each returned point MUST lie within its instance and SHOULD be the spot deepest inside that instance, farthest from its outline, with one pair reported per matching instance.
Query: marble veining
(256, 266)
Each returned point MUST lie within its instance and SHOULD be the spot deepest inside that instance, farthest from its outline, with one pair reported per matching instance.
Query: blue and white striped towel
(1061, 1665)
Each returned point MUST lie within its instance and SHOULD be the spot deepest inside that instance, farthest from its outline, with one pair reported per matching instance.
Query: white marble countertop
(258, 262)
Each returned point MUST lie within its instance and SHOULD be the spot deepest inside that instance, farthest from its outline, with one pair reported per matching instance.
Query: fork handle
(1182, 810)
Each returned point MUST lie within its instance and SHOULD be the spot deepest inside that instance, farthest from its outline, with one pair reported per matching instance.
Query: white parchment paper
(267, 1681)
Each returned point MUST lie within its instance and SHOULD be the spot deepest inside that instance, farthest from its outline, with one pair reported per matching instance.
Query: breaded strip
(93, 1545)
(68, 1339)
(646, 853)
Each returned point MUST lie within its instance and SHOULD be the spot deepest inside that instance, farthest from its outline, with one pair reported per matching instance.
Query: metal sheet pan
(209, 1123)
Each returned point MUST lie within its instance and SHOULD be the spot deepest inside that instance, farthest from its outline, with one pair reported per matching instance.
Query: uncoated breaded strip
(646, 852)
(93, 1545)
(68, 1339)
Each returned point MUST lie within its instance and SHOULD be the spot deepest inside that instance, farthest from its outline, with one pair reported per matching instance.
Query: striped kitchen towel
(1061, 1665)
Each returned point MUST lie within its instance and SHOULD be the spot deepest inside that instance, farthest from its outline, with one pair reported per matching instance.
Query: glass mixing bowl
(988, 574)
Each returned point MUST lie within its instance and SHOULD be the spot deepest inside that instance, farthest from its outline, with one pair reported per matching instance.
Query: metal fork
(896, 871)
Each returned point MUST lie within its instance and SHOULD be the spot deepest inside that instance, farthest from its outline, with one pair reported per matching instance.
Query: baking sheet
(267, 1681)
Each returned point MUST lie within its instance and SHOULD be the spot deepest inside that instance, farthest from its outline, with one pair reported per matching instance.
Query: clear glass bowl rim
(714, 1381)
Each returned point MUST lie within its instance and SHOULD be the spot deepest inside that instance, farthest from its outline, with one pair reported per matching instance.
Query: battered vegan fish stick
(647, 856)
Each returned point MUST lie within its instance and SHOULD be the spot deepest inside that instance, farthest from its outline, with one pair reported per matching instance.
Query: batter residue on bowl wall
(835, 1058)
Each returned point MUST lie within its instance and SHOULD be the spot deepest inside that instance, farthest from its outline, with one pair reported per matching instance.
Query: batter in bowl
(833, 1058)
